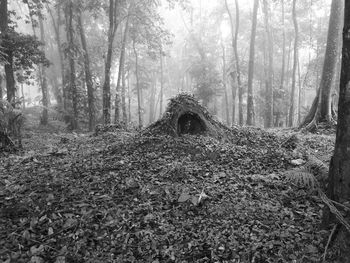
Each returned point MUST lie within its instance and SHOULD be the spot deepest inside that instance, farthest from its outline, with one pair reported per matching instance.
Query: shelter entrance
(190, 123)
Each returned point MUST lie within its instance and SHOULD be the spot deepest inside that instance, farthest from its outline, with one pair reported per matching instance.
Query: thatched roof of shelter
(184, 115)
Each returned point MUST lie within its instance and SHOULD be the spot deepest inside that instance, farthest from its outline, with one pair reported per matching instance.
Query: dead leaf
(184, 197)
(36, 259)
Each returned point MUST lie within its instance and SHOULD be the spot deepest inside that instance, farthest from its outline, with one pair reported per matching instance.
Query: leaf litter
(126, 197)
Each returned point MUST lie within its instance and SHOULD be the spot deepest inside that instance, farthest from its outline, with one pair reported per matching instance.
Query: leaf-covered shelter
(184, 115)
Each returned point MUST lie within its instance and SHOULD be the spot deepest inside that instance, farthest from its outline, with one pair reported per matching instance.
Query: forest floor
(126, 197)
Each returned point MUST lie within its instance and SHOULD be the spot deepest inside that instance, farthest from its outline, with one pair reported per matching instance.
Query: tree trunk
(72, 84)
(125, 116)
(295, 64)
(44, 90)
(1, 89)
(161, 84)
(269, 83)
(88, 75)
(9, 73)
(113, 24)
(137, 85)
(224, 81)
(250, 101)
(233, 76)
(120, 72)
(299, 93)
(339, 170)
(323, 112)
(152, 99)
(234, 37)
(56, 26)
(283, 50)
(129, 94)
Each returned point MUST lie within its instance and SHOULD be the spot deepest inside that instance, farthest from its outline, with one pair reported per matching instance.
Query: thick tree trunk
(269, 80)
(106, 90)
(339, 170)
(120, 72)
(295, 64)
(9, 73)
(88, 75)
(250, 101)
(139, 111)
(323, 112)
(72, 84)
(44, 90)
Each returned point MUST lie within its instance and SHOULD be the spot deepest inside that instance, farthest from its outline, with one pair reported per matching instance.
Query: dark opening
(190, 123)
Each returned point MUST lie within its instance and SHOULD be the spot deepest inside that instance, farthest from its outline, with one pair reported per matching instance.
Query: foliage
(11, 123)
(207, 80)
(26, 51)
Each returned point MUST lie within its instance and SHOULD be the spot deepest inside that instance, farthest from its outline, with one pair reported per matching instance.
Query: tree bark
(224, 81)
(121, 72)
(106, 90)
(72, 84)
(125, 115)
(88, 75)
(339, 170)
(139, 111)
(44, 90)
(234, 37)
(56, 26)
(269, 80)
(1, 89)
(9, 73)
(161, 84)
(322, 111)
(295, 64)
(152, 98)
(283, 49)
(250, 101)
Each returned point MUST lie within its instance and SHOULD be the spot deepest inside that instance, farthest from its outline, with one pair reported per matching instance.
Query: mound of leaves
(132, 198)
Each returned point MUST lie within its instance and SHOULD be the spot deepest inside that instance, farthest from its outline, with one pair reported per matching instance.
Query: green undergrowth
(125, 197)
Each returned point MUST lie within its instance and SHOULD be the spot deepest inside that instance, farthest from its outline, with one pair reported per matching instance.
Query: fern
(302, 177)
(312, 174)
(317, 167)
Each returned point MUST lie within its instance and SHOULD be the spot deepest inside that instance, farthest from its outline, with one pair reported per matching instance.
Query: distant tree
(114, 19)
(87, 70)
(206, 78)
(234, 36)
(161, 93)
(250, 102)
(120, 89)
(321, 107)
(295, 65)
(56, 18)
(138, 88)
(269, 70)
(43, 78)
(339, 170)
(224, 84)
(71, 53)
